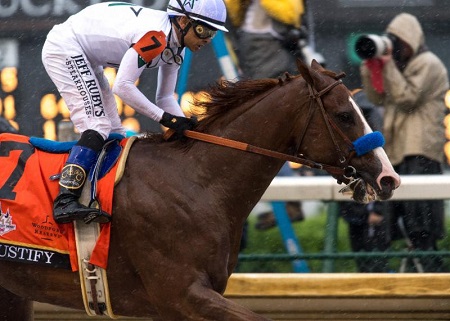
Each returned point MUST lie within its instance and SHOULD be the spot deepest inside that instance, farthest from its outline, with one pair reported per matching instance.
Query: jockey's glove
(179, 124)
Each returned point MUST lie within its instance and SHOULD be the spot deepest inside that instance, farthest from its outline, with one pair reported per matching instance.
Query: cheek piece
(368, 142)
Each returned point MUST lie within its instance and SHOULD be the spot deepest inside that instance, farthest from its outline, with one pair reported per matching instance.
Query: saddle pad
(28, 232)
(55, 147)
(52, 146)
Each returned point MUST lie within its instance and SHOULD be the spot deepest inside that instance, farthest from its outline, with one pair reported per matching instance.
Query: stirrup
(97, 216)
(86, 214)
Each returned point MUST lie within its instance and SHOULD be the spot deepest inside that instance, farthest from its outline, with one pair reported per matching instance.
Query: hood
(408, 28)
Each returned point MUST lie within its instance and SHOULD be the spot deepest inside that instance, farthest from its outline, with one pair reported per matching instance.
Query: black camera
(296, 41)
(372, 46)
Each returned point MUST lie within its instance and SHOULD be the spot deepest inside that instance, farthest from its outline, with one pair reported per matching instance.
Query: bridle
(346, 170)
(345, 173)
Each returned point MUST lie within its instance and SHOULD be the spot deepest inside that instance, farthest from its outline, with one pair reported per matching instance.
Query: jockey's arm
(167, 81)
(125, 87)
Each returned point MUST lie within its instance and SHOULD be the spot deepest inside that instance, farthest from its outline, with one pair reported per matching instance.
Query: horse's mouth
(360, 191)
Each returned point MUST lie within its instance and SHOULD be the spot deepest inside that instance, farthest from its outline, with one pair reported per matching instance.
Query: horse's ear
(305, 71)
(316, 66)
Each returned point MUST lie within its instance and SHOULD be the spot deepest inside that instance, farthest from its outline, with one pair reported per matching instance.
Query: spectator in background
(367, 226)
(410, 82)
(267, 35)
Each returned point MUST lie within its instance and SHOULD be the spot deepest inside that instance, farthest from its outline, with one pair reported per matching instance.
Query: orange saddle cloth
(28, 232)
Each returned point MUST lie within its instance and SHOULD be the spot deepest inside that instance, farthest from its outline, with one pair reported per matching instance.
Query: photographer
(411, 82)
(268, 35)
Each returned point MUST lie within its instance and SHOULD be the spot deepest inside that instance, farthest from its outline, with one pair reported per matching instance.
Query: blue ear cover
(368, 142)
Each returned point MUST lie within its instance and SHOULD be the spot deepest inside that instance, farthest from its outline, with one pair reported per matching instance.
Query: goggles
(202, 31)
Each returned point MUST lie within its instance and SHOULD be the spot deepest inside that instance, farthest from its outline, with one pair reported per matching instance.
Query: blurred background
(31, 103)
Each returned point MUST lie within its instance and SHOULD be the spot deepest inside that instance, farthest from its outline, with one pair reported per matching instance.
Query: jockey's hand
(179, 124)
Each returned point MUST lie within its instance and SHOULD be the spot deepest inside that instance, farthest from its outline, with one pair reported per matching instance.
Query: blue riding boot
(66, 207)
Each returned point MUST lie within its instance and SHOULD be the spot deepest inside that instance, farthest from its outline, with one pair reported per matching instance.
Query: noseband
(345, 172)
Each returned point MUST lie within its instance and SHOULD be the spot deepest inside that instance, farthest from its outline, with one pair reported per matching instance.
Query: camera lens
(365, 47)
(370, 46)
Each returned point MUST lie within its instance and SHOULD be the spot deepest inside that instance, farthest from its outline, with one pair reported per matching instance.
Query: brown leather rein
(345, 171)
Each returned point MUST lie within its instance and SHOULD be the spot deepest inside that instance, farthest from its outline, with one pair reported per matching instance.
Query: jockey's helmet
(210, 12)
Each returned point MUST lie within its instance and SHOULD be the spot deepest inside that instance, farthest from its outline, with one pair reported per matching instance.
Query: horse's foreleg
(202, 303)
(13, 307)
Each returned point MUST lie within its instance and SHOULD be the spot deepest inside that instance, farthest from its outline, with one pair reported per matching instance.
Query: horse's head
(335, 122)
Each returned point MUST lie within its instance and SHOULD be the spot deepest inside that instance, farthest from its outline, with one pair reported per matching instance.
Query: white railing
(326, 188)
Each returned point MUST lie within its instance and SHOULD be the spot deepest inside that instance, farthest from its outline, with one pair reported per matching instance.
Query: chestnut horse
(179, 209)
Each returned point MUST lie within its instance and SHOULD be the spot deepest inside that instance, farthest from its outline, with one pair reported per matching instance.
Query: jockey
(130, 38)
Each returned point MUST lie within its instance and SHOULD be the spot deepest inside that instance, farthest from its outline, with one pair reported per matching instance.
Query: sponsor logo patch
(6, 222)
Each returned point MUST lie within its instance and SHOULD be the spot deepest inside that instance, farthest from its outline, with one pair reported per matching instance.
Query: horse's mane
(224, 96)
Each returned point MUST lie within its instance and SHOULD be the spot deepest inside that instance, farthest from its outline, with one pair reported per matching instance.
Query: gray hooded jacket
(413, 99)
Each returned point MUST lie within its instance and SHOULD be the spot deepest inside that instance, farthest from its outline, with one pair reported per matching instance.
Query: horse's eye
(346, 118)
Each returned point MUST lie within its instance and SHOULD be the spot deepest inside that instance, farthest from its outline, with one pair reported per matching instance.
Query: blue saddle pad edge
(53, 146)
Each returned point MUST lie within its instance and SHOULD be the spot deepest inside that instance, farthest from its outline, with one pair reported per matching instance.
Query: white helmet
(211, 12)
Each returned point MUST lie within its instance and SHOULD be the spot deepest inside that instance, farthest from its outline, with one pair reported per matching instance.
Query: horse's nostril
(387, 182)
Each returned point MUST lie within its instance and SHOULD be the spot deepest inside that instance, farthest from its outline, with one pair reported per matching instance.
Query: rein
(216, 140)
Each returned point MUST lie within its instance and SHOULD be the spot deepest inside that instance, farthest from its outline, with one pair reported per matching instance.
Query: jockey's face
(191, 40)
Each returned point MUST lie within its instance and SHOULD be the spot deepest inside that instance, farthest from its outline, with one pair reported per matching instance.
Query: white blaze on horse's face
(367, 129)
(387, 169)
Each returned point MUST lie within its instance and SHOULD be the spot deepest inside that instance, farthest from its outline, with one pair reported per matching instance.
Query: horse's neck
(244, 176)
(238, 174)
